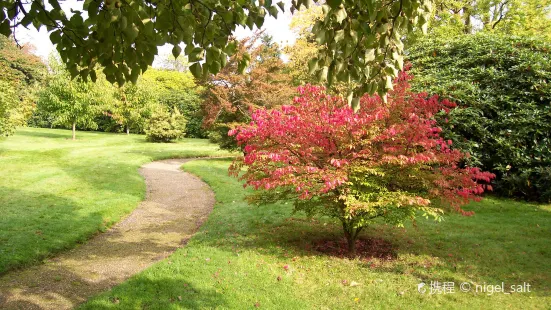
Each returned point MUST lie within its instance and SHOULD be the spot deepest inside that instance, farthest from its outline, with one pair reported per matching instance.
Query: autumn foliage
(230, 96)
(385, 160)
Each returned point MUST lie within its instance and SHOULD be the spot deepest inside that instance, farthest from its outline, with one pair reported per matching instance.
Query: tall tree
(21, 75)
(512, 17)
(133, 105)
(305, 47)
(72, 102)
(178, 91)
(358, 40)
(231, 97)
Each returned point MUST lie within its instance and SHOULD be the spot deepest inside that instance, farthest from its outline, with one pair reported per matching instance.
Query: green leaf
(355, 104)
(312, 65)
(176, 51)
(5, 28)
(340, 14)
(196, 54)
(196, 70)
(388, 84)
(320, 37)
(334, 3)
(349, 97)
(322, 74)
(215, 67)
(55, 37)
(231, 48)
(339, 35)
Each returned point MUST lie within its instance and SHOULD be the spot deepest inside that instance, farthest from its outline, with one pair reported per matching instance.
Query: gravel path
(176, 204)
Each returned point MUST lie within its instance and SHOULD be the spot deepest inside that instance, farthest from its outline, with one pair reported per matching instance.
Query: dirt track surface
(177, 203)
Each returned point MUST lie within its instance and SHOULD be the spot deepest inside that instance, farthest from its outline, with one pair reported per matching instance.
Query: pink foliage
(311, 144)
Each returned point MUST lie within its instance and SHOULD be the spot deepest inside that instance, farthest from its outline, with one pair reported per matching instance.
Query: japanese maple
(386, 160)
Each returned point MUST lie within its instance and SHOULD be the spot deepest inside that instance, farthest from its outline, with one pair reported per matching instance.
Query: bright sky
(279, 29)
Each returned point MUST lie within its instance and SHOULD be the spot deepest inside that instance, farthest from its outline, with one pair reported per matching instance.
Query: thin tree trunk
(351, 236)
(467, 29)
(74, 130)
(127, 130)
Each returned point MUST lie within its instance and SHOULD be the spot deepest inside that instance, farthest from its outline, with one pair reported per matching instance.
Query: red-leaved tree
(385, 160)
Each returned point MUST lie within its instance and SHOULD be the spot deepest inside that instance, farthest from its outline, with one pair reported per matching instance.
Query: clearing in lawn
(248, 256)
(55, 193)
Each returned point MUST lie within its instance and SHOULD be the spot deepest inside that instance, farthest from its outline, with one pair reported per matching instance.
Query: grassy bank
(55, 193)
(247, 256)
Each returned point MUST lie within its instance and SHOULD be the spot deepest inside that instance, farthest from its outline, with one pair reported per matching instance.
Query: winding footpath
(176, 204)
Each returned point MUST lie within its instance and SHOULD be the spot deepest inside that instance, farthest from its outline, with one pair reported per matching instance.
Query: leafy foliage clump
(165, 127)
(502, 86)
(72, 102)
(21, 75)
(385, 161)
(358, 40)
(231, 97)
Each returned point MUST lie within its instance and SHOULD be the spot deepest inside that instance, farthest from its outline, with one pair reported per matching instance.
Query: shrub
(386, 160)
(165, 127)
(502, 86)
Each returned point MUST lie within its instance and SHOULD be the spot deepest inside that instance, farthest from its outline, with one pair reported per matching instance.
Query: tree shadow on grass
(68, 290)
(50, 134)
(141, 292)
(504, 242)
(37, 225)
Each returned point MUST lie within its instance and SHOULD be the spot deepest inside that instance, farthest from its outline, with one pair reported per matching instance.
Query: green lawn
(247, 256)
(55, 192)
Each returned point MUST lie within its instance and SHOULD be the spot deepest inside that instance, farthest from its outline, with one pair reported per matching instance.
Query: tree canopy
(230, 98)
(359, 40)
(20, 74)
(386, 160)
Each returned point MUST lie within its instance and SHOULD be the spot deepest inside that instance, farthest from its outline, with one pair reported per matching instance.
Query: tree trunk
(468, 28)
(351, 246)
(74, 131)
(127, 130)
(351, 235)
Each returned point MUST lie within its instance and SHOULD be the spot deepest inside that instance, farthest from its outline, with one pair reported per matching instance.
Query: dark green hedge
(503, 88)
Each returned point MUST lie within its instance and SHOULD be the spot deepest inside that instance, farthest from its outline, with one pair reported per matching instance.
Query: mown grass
(55, 193)
(246, 257)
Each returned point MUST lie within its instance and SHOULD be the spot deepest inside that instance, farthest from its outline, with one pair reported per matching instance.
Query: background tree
(231, 97)
(171, 63)
(72, 102)
(358, 40)
(305, 47)
(511, 17)
(178, 90)
(386, 161)
(21, 75)
(501, 84)
(133, 105)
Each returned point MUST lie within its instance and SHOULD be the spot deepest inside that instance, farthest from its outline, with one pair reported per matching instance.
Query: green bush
(503, 88)
(165, 127)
